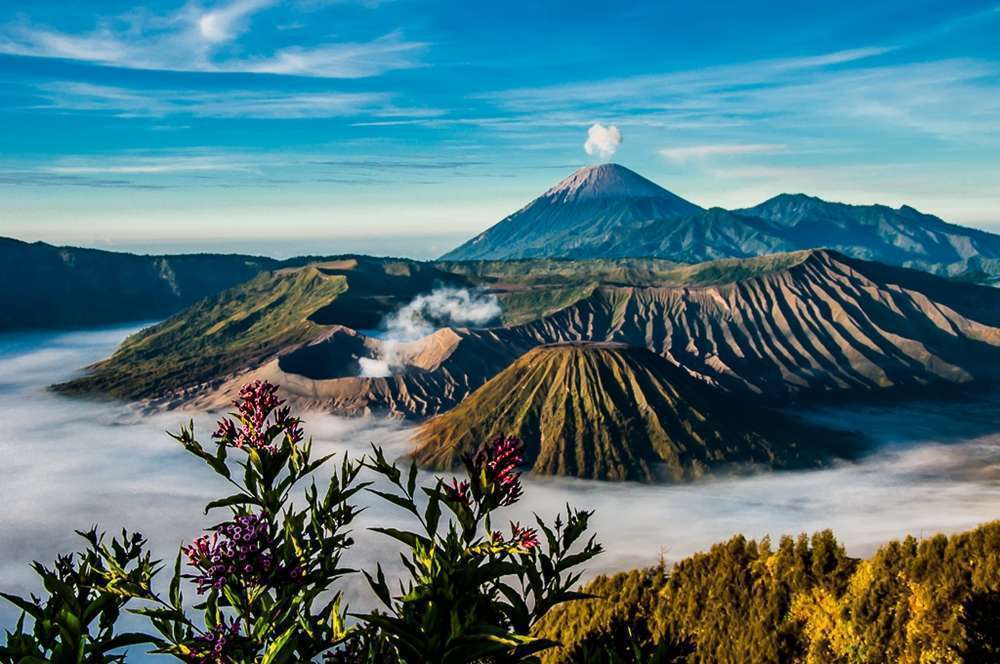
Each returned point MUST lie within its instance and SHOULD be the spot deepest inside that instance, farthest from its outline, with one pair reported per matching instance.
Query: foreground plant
(474, 590)
(87, 591)
(264, 575)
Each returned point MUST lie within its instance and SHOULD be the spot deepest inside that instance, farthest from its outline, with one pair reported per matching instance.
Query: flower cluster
(494, 467)
(521, 539)
(262, 419)
(238, 549)
(214, 646)
(458, 492)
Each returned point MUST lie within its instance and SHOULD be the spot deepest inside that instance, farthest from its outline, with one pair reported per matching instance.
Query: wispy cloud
(844, 89)
(152, 166)
(192, 39)
(698, 152)
(151, 102)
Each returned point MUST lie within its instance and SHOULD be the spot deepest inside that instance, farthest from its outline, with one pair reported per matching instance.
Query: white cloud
(220, 25)
(191, 40)
(128, 102)
(825, 94)
(698, 152)
(602, 141)
(151, 166)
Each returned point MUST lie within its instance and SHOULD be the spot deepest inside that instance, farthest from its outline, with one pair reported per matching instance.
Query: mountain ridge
(601, 410)
(609, 225)
(770, 329)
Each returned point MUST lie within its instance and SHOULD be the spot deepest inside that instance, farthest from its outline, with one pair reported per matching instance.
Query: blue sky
(402, 126)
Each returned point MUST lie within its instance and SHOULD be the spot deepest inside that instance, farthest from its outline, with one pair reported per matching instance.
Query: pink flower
(458, 492)
(261, 417)
(494, 467)
(525, 538)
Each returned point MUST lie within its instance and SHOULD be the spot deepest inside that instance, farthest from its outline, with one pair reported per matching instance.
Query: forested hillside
(798, 600)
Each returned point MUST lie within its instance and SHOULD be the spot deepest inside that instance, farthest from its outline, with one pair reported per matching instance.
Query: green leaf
(274, 650)
(23, 604)
(411, 482)
(176, 596)
(230, 501)
(401, 501)
(126, 639)
(411, 540)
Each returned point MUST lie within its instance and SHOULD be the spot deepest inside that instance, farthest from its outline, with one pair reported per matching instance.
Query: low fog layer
(69, 464)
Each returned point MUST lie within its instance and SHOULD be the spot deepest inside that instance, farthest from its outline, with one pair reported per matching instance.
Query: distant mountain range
(612, 411)
(609, 211)
(45, 286)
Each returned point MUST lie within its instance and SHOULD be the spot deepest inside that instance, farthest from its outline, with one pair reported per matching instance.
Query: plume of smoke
(602, 141)
(423, 315)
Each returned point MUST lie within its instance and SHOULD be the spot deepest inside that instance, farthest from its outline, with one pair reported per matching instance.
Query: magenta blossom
(525, 538)
(494, 468)
(261, 419)
(522, 539)
(239, 550)
(458, 492)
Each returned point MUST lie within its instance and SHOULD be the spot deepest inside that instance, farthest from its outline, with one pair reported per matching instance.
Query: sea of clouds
(69, 464)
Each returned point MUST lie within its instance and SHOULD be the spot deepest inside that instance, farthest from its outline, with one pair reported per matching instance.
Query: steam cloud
(424, 314)
(70, 464)
(602, 141)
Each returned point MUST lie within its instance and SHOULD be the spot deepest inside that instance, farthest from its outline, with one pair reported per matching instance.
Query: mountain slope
(610, 411)
(243, 328)
(821, 324)
(901, 236)
(769, 329)
(58, 287)
(609, 211)
(588, 208)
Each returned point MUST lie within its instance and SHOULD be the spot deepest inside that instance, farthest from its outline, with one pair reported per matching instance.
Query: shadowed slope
(61, 287)
(825, 324)
(609, 411)
(588, 208)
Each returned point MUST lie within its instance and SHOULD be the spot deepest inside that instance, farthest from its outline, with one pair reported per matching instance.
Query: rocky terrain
(616, 412)
(769, 329)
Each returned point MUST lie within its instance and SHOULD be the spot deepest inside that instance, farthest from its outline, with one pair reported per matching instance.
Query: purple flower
(239, 550)
(215, 646)
(262, 419)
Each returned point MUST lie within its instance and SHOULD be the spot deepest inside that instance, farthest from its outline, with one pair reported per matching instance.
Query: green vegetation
(266, 577)
(805, 600)
(609, 411)
(241, 327)
(252, 323)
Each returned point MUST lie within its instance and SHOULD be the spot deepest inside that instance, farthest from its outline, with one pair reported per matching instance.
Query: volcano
(617, 412)
(587, 209)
